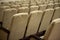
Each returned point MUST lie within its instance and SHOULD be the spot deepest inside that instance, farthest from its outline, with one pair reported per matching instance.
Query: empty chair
(56, 13)
(51, 5)
(14, 6)
(12, 2)
(32, 4)
(46, 19)
(52, 32)
(7, 16)
(56, 5)
(5, 3)
(25, 5)
(33, 8)
(56, 1)
(23, 9)
(18, 26)
(1, 11)
(34, 22)
(43, 7)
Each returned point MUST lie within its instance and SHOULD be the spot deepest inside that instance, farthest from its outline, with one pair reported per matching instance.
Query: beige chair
(56, 1)
(2, 8)
(52, 32)
(19, 22)
(57, 13)
(33, 8)
(56, 5)
(14, 6)
(33, 2)
(34, 22)
(23, 9)
(25, 5)
(43, 7)
(46, 19)
(8, 13)
(51, 5)
(5, 3)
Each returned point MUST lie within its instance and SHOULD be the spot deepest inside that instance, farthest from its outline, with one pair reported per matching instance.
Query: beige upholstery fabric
(8, 13)
(33, 8)
(46, 19)
(18, 26)
(53, 32)
(23, 9)
(34, 22)
(57, 13)
(1, 11)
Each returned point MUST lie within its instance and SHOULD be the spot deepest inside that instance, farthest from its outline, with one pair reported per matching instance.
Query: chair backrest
(7, 16)
(46, 19)
(14, 6)
(23, 9)
(1, 11)
(34, 22)
(56, 13)
(50, 5)
(33, 8)
(19, 22)
(25, 5)
(52, 32)
(43, 7)
(56, 5)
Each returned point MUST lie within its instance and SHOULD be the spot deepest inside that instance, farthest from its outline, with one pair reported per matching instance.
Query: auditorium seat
(34, 22)
(33, 8)
(33, 4)
(56, 5)
(18, 26)
(46, 19)
(23, 9)
(14, 6)
(2, 8)
(5, 3)
(43, 7)
(8, 13)
(25, 5)
(50, 5)
(56, 13)
(52, 32)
